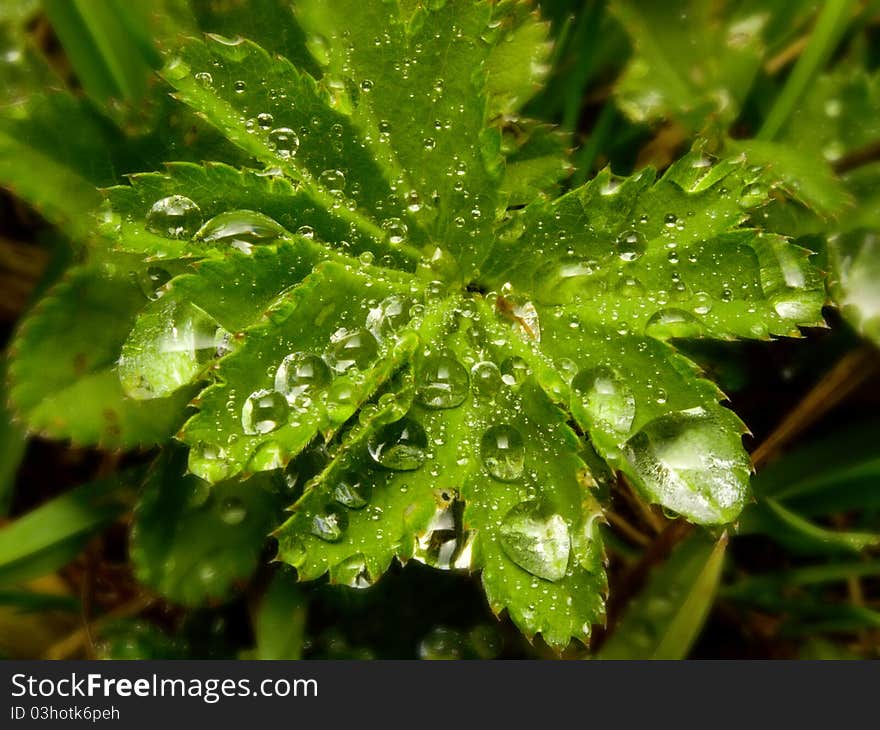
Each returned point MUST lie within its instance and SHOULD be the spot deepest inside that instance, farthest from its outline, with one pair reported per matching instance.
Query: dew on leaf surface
(329, 524)
(442, 382)
(301, 374)
(605, 398)
(537, 541)
(284, 142)
(356, 349)
(263, 412)
(174, 217)
(241, 229)
(486, 378)
(351, 491)
(503, 452)
(399, 446)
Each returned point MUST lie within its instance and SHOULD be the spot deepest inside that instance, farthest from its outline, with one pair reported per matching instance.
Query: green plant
(375, 306)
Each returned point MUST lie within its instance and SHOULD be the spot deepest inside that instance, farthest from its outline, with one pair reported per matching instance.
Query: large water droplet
(396, 230)
(333, 181)
(352, 492)
(536, 540)
(389, 316)
(607, 401)
(169, 350)
(329, 524)
(356, 349)
(174, 217)
(514, 371)
(310, 462)
(241, 229)
(399, 446)
(503, 452)
(284, 141)
(630, 245)
(689, 464)
(486, 378)
(442, 382)
(673, 322)
(263, 412)
(301, 374)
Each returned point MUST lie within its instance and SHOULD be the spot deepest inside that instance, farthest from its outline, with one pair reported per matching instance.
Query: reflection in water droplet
(607, 401)
(174, 217)
(388, 316)
(399, 446)
(284, 141)
(330, 524)
(668, 323)
(309, 463)
(486, 378)
(263, 412)
(333, 181)
(537, 541)
(689, 464)
(442, 382)
(352, 572)
(352, 492)
(503, 452)
(514, 371)
(356, 349)
(396, 230)
(301, 374)
(630, 245)
(241, 229)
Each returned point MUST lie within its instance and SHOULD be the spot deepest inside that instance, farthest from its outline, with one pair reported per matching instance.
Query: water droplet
(667, 323)
(301, 374)
(389, 316)
(352, 492)
(752, 195)
(310, 462)
(352, 572)
(486, 378)
(366, 86)
(399, 446)
(240, 229)
(232, 511)
(631, 245)
(514, 371)
(442, 382)
(284, 142)
(239, 86)
(174, 217)
(204, 78)
(263, 412)
(536, 541)
(333, 181)
(356, 349)
(330, 524)
(503, 452)
(605, 398)
(395, 229)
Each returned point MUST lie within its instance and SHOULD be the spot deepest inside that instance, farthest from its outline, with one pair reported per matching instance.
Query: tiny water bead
(688, 464)
(486, 378)
(352, 492)
(442, 382)
(606, 399)
(536, 540)
(399, 446)
(356, 349)
(241, 229)
(301, 374)
(284, 142)
(503, 452)
(174, 217)
(329, 524)
(263, 412)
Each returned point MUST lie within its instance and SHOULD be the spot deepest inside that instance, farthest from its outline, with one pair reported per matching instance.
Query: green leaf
(51, 535)
(665, 619)
(855, 267)
(63, 375)
(700, 62)
(191, 542)
(108, 44)
(12, 444)
(388, 304)
(281, 620)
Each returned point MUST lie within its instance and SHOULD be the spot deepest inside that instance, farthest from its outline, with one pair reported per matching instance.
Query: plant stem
(829, 28)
